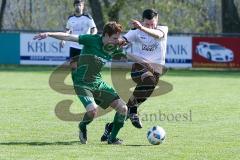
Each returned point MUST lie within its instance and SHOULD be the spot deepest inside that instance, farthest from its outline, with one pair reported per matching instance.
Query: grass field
(29, 128)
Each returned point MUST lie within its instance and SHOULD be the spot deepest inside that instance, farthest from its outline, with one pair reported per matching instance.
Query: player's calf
(83, 135)
(118, 122)
(88, 118)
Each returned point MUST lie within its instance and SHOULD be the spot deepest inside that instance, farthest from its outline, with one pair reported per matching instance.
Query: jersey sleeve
(163, 29)
(68, 27)
(92, 24)
(85, 39)
(130, 36)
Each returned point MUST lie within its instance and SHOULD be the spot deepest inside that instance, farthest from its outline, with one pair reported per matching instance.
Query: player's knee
(124, 109)
(120, 106)
(147, 75)
(150, 80)
(92, 113)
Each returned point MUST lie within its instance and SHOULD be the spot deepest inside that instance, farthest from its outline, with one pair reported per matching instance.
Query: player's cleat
(108, 129)
(115, 141)
(83, 135)
(135, 120)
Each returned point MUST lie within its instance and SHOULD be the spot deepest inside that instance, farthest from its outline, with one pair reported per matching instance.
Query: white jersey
(79, 25)
(147, 47)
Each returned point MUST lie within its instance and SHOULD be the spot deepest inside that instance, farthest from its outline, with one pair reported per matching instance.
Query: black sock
(110, 126)
(133, 109)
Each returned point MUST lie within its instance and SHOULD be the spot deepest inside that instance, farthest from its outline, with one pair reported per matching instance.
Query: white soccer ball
(156, 135)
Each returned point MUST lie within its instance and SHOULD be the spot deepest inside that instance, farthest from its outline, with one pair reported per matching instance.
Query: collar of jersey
(78, 16)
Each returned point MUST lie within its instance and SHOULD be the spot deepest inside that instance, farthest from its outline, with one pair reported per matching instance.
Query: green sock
(85, 121)
(117, 125)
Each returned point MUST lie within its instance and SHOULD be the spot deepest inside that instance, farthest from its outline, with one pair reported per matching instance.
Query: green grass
(29, 128)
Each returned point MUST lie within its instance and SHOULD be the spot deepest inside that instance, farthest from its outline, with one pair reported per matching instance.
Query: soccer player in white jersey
(149, 42)
(78, 24)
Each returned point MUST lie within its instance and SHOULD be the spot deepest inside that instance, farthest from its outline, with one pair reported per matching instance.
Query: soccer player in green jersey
(88, 84)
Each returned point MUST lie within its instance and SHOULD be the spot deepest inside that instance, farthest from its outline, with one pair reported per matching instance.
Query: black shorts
(138, 70)
(74, 54)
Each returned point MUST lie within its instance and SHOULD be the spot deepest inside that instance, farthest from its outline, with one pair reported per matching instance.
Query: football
(156, 135)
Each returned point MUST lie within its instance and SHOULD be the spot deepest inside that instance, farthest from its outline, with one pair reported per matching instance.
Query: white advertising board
(42, 52)
(179, 52)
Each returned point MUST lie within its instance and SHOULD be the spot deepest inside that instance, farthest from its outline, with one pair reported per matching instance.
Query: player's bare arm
(62, 43)
(156, 33)
(57, 35)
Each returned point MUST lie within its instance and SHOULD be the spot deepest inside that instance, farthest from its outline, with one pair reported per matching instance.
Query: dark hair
(77, 1)
(112, 28)
(149, 14)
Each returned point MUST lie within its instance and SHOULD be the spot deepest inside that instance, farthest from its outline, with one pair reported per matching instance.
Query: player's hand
(121, 42)
(41, 36)
(136, 24)
(62, 43)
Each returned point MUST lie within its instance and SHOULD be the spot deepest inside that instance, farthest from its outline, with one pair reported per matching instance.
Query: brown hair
(78, 1)
(112, 28)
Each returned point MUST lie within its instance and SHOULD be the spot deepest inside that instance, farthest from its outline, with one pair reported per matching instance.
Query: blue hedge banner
(9, 48)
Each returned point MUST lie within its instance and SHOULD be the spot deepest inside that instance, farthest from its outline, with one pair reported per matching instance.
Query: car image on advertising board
(214, 52)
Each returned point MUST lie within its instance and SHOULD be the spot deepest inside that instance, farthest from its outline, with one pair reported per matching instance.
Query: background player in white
(79, 23)
(149, 49)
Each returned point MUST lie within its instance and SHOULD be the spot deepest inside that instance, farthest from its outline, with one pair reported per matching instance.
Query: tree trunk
(3, 6)
(31, 11)
(230, 17)
(97, 13)
(113, 13)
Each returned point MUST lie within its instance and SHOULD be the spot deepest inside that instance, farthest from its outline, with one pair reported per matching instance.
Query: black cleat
(83, 135)
(135, 120)
(108, 129)
(115, 141)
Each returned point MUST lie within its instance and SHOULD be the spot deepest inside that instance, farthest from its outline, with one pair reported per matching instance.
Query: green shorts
(103, 95)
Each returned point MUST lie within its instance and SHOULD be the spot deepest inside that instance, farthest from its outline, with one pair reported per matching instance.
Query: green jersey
(93, 45)
(91, 59)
